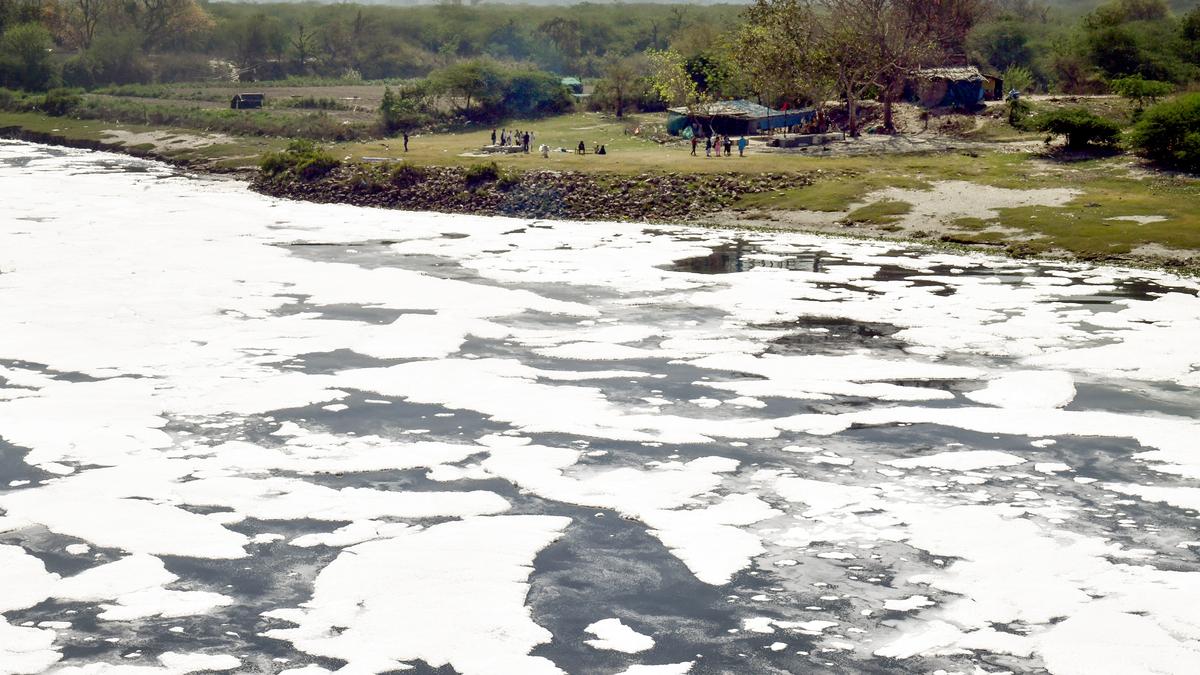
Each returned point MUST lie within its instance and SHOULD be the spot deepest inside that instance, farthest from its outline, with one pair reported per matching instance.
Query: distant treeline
(105, 42)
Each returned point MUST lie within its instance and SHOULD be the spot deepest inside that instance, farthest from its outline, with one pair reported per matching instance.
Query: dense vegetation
(1170, 132)
(453, 63)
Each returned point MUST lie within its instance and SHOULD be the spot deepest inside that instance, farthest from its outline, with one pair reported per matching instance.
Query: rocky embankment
(534, 194)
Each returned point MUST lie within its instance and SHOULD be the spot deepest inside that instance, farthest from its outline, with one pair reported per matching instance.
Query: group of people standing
(713, 145)
(513, 137)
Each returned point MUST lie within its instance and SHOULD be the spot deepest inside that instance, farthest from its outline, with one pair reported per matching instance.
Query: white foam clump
(172, 663)
(26, 650)
(663, 669)
(1027, 389)
(1057, 574)
(1051, 467)
(907, 604)
(965, 460)
(450, 571)
(615, 635)
(1178, 496)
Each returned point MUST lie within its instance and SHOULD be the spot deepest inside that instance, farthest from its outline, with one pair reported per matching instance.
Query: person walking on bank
(406, 141)
(728, 146)
(708, 146)
(581, 149)
(525, 143)
(716, 146)
(695, 142)
(742, 143)
(493, 136)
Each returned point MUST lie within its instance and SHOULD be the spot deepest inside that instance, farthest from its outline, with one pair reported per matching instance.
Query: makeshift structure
(247, 101)
(574, 85)
(733, 118)
(959, 86)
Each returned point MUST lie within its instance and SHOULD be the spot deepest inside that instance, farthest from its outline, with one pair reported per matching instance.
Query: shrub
(404, 109)
(507, 182)
(406, 175)
(302, 158)
(1019, 112)
(314, 103)
(478, 174)
(1081, 127)
(1170, 132)
(59, 102)
(531, 93)
(9, 99)
(1140, 91)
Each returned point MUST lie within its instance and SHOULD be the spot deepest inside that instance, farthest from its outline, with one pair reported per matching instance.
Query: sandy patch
(948, 201)
(1162, 252)
(164, 140)
(1140, 220)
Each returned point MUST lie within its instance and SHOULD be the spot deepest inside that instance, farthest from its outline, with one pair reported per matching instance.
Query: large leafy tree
(25, 56)
(478, 81)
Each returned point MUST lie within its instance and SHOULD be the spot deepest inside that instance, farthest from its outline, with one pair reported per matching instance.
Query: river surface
(239, 434)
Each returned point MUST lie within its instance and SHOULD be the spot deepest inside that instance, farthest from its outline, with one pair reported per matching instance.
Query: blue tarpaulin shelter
(734, 118)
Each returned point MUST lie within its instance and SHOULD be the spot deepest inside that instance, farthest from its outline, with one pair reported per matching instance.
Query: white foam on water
(1030, 389)
(219, 340)
(26, 650)
(450, 570)
(614, 635)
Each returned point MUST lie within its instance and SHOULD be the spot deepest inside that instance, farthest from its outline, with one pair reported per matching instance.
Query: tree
(532, 93)
(1189, 30)
(1004, 45)
(565, 34)
(621, 76)
(84, 15)
(672, 82)
(164, 22)
(302, 42)
(779, 52)
(1018, 78)
(404, 109)
(910, 33)
(1124, 11)
(476, 81)
(1170, 132)
(25, 57)
(254, 38)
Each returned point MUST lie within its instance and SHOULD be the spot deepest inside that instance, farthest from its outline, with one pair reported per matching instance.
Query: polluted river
(241, 434)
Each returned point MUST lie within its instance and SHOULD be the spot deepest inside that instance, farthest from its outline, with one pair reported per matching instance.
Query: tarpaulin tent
(734, 118)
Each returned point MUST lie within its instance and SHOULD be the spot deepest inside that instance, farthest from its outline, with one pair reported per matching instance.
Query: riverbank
(563, 195)
(1022, 204)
